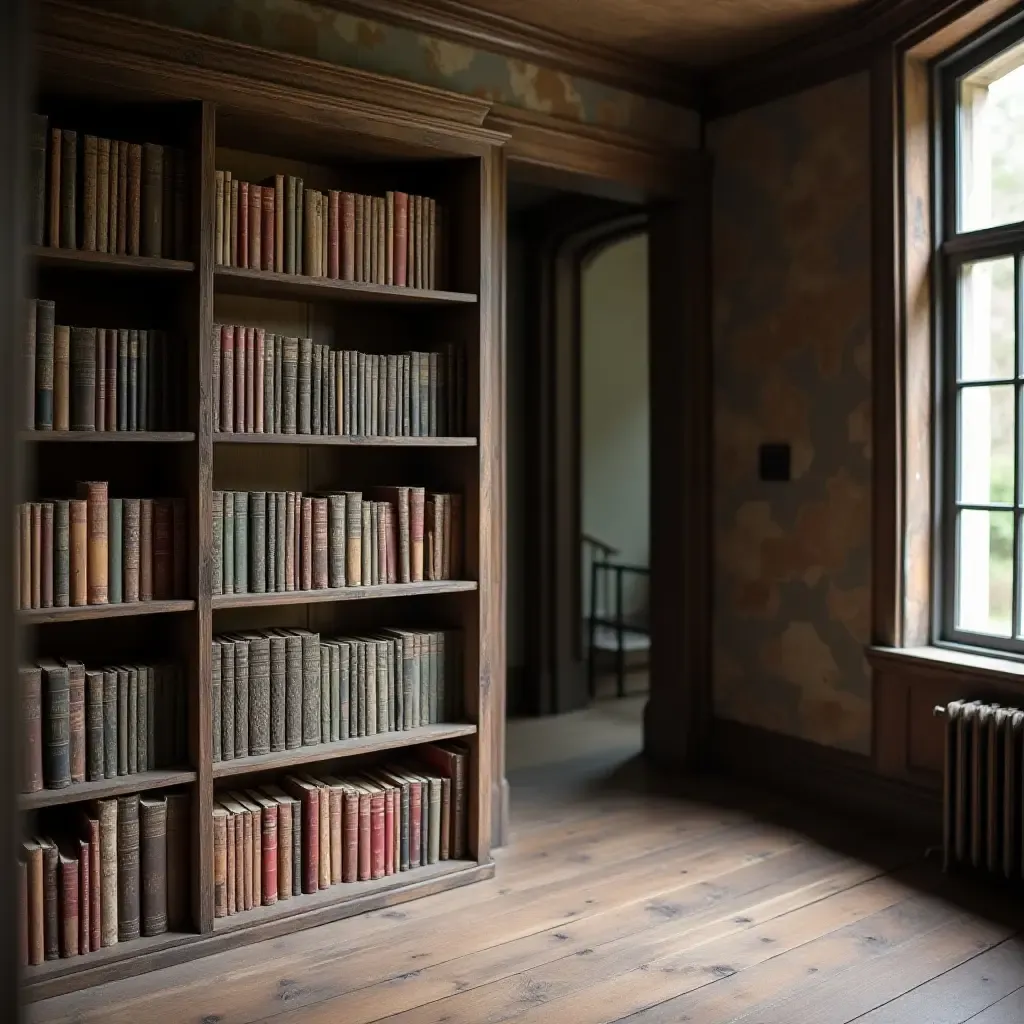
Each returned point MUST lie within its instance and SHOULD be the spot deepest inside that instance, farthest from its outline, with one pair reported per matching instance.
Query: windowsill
(947, 659)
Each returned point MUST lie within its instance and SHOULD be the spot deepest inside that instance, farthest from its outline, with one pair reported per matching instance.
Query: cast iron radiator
(983, 791)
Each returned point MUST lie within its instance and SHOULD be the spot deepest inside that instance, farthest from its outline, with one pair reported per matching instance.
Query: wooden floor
(617, 900)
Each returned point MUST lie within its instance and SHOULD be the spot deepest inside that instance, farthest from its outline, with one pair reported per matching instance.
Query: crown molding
(844, 44)
(459, 22)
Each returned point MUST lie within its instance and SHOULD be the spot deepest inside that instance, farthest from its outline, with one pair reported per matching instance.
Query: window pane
(987, 320)
(984, 553)
(985, 455)
(992, 143)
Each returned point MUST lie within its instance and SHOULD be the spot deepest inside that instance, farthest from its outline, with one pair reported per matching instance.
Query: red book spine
(267, 241)
(84, 898)
(365, 839)
(348, 236)
(311, 841)
(350, 837)
(259, 350)
(68, 929)
(401, 236)
(255, 226)
(227, 377)
(389, 832)
(250, 379)
(239, 380)
(333, 235)
(377, 835)
(269, 856)
(243, 223)
(415, 812)
(307, 544)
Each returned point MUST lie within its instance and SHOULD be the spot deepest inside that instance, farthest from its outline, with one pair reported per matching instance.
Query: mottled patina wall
(309, 29)
(792, 363)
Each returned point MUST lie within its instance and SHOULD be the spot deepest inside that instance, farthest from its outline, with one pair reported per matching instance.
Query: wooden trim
(842, 45)
(678, 714)
(82, 791)
(835, 779)
(15, 51)
(549, 143)
(493, 33)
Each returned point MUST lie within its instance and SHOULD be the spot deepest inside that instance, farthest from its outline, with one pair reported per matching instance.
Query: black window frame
(953, 250)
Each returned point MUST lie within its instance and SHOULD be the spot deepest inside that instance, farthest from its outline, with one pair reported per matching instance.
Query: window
(981, 339)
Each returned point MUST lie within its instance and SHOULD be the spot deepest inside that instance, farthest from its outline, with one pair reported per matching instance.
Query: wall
(792, 363)
(614, 433)
(310, 29)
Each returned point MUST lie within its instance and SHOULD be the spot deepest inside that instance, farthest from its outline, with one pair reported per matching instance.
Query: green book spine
(258, 542)
(360, 688)
(115, 550)
(110, 723)
(229, 541)
(123, 709)
(281, 544)
(271, 555)
(293, 691)
(241, 650)
(278, 692)
(335, 670)
(259, 695)
(241, 542)
(310, 688)
(215, 698)
(45, 318)
(345, 654)
(217, 568)
(227, 700)
(133, 721)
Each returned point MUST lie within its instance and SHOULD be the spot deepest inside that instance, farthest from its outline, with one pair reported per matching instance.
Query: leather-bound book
(32, 852)
(132, 560)
(369, 237)
(254, 852)
(305, 384)
(227, 699)
(124, 718)
(270, 556)
(83, 378)
(232, 228)
(309, 800)
(281, 542)
(123, 346)
(241, 652)
(259, 693)
(278, 690)
(37, 182)
(115, 550)
(68, 883)
(101, 379)
(142, 693)
(258, 336)
(353, 538)
(142, 420)
(220, 862)
(229, 861)
(250, 379)
(31, 680)
(256, 227)
(227, 377)
(257, 541)
(56, 138)
(216, 685)
(229, 542)
(134, 200)
(133, 719)
(268, 343)
(128, 922)
(179, 858)
(293, 690)
(43, 364)
(146, 549)
(320, 541)
(290, 225)
(217, 389)
(268, 846)
(35, 553)
(61, 377)
(241, 523)
(103, 195)
(290, 385)
(51, 899)
(81, 847)
(316, 378)
(95, 496)
(243, 852)
(389, 237)
(222, 203)
(113, 197)
(89, 187)
(284, 839)
(267, 227)
(92, 936)
(106, 811)
(69, 189)
(242, 249)
(279, 224)
(133, 380)
(304, 524)
(163, 553)
(110, 723)
(153, 864)
(94, 766)
(401, 231)
(56, 724)
(310, 686)
(152, 200)
(217, 557)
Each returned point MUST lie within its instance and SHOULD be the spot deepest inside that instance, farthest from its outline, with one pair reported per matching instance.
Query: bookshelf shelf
(81, 791)
(48, 256)
(269, 284)
(427, 589)
(432, 183)
(107, 436)
(345, 748)
(331, 440)
(82, 613)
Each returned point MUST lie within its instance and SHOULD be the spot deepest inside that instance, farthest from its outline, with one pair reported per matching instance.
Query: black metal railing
(607, 580)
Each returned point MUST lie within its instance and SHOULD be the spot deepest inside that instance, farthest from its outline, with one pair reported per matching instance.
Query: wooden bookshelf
(98, 68)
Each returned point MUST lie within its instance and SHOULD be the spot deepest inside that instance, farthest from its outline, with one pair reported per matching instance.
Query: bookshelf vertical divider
(201, 390)
(348, 131)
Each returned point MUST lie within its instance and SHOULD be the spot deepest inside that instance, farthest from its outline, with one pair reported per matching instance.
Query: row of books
(283, 226)
(106, 195)
(83, 725)
(279, 541)
(116, 871)
(314, 831)
(98, 378)
(95, 549)
(267, 383)
(282, 689)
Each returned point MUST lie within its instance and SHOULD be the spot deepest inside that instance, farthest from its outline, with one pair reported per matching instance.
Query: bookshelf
(221, 123)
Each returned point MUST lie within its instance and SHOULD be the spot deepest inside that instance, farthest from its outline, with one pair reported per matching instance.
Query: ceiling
(693, 34)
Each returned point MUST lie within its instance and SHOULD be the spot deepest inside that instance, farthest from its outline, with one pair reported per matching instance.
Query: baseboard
(824, 775)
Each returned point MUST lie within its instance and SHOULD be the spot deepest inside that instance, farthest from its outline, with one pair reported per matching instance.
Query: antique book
(32, 852)
(132, 554)
(153, 864)
(278, 690)
(241, 553)
(259, 694)
(227, 700)
(133, 230)
(30, 677)
(304, 392)
(68, 182)
(70, 872)
(42, 326)
(290, 385)
(146, 549)
(220, 862)
(228, 541)
(95, 497)
(56, 728)
(152, 225)
(257, 541)
(240, 648)
(128, 908)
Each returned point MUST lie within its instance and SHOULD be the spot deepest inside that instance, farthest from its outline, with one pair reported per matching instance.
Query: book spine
(290, 384)
(259, 696)
(78, 545)
(152, 199)
(279, 223)
(69, 905)
(307, 544)
(132, 559)
(401, 238)
(83, 378)
(227, 700)
(146, 549)
(255, 227)
(293, 692)
(153, 866)
(30, 678)
(133, 238)
(305, 385)
(220, 863)
(268, 855)
(258, 542)
(61, 377)
(69, 190)
(232, 226)
(128, 923)
(310, 688)
(163, 556)
(289, 224)
(227, 377)
(268, 343)
(241, 522)
(43, 369)
(281, 542)
(109, 724)
(220, 233)
(37, 220)
(241, 650)
(243, 224)
(217, 553)
(97, 501)
(268, 225)
(94, 748)
(56, 138)
(320, 544)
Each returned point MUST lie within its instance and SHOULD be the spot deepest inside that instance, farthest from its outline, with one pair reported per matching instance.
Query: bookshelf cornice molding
(461, 23)
(116, 49)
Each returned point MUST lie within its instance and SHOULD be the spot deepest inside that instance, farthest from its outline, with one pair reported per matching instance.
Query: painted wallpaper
(792, 363)
(308, 29)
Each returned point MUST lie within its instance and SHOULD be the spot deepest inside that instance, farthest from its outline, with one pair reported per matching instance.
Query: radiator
(983, 790)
